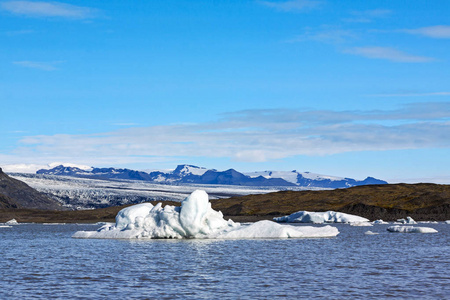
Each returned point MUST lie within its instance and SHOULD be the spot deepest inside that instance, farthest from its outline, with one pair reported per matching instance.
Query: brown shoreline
(422, 202)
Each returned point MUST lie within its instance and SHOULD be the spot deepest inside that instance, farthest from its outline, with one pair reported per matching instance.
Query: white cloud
(256, 136)
(293, 5)
(387, 53)
(45, 66)
(438, 32)
(47, 9)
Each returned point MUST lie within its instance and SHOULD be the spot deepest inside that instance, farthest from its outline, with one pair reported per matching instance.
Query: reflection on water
(42, 261)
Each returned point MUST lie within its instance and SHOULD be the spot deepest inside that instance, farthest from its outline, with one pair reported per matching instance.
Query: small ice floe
(447, 222)
(12, 222)
(379, 222)
(371, 233)
(194, 219)
(5, 226)
(408, 220)
(411, 229)
(361, 224)
(428, 222)
(320, 217)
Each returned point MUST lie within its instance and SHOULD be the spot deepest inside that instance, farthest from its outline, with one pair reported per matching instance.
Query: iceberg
(12, 222)
(447, 222)
(361, 224)
(320, 217)
(408, 220)
(194, 219)
(379, 222)
(370, 233)
(411, 229)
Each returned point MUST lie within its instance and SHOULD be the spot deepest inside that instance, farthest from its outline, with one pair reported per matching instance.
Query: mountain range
(189, 174)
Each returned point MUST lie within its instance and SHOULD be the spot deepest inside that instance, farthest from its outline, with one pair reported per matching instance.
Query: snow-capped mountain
(308, 179)
(198, 175)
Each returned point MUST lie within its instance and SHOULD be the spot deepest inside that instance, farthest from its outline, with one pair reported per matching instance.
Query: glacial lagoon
(43, 261)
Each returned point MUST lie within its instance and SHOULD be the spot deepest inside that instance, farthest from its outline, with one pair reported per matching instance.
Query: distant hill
(387, 202)
(17, 194)
(198, 175)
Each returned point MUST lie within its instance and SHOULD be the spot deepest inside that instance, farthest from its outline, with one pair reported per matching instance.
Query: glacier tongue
(194, 219)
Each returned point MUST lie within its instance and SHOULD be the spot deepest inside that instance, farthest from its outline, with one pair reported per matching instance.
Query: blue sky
(346, 88)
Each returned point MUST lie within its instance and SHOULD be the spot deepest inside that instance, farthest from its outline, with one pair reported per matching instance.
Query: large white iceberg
(411, 229)
(194, 219)
(321, 217)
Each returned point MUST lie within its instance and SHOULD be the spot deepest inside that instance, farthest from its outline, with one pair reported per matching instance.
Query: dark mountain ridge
(17, 194)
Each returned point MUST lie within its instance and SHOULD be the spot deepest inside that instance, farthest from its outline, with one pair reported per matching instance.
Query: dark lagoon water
(44, 262)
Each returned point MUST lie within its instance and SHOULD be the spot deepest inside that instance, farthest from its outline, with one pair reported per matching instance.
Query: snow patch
(320, 217)
(194, 219)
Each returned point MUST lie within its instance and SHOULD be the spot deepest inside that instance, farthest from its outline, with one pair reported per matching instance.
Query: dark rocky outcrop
(17, 194)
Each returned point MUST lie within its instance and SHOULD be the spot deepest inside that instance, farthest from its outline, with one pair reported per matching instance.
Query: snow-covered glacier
(321, 217)
(195, 219)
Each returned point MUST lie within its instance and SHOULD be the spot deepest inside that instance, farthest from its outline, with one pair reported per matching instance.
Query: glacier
(321, 217)
(194, 219)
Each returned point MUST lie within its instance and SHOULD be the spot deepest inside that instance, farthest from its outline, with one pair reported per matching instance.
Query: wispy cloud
(325, 35)
(438, 32)
(368, 16)
(125, 124)
(291, 6)
(260, 135)
(45, 66)
(388, 53)
(47, 9)
(412, 94)
(18, 32)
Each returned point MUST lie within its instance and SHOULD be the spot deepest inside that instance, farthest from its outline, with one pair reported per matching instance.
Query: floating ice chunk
(411, 229)
(12, 222)
(379, 222)
(361, 224)
(408, 220)
(370, 233)
(5, 226)
(447, 222)
(269, 229)
(194, 219)
(320, 217)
